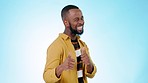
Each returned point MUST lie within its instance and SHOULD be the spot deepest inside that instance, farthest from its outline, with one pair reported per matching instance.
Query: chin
(80, 33)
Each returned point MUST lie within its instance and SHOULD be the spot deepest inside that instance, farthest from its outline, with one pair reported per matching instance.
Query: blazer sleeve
(92, 74)
(52, 61)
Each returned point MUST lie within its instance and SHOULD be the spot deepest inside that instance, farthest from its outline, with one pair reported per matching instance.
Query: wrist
(90, 68)
(59, 70)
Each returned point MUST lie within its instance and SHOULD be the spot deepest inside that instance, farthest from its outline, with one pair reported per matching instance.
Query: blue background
(115, 31)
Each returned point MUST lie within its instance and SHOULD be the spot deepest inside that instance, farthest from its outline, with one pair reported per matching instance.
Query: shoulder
(56, 44)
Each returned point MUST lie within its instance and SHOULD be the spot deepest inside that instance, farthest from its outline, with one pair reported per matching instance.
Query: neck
(72, 36)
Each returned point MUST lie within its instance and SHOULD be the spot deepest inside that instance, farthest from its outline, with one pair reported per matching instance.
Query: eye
(82, 18)
(76, 19)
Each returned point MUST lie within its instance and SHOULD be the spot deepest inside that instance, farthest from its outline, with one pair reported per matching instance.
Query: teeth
(79, 28)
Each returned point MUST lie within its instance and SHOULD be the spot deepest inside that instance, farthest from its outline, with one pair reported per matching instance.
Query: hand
(68, 63)
(86, 60)
(84, 57)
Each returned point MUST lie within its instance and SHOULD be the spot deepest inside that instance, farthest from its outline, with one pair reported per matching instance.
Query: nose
(81, 21)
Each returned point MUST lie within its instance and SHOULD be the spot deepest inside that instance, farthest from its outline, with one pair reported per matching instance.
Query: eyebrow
(78, 17)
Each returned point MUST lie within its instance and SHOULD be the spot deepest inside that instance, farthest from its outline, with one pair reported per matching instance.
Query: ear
(66, 23)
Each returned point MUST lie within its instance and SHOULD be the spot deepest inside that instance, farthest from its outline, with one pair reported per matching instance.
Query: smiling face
(75, 21)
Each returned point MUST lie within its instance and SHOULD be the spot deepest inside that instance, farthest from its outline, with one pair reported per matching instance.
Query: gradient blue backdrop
(115, 30)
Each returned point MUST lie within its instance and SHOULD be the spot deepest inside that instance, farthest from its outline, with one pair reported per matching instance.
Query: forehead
(75, 13)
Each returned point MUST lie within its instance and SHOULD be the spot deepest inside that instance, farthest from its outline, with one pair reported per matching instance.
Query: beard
(73, 31)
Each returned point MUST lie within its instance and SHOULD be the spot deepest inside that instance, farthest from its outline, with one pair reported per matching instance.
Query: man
(68, 59)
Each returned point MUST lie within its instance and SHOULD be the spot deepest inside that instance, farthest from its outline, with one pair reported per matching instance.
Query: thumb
(83, 50)
(69, 55)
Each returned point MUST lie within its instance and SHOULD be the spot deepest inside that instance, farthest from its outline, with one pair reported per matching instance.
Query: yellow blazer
(57, 52)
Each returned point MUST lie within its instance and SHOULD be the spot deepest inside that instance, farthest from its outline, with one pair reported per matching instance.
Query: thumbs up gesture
(69, 63)
(86, 60)
(84, 56)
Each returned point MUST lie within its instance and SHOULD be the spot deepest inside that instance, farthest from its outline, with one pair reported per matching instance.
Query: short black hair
(66, 9)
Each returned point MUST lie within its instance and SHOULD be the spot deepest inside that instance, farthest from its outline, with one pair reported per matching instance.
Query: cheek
(76, 25)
